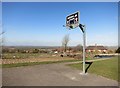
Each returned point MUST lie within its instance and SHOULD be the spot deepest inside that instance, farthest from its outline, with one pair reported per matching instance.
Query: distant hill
(51, 47)
(31, 47)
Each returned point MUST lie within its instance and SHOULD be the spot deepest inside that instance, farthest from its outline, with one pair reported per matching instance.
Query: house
(99, 49)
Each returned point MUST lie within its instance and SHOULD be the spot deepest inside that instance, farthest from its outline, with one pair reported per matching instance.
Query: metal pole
(84, 46)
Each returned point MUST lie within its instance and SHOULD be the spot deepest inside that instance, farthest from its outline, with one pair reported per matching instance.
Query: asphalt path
(57, 74)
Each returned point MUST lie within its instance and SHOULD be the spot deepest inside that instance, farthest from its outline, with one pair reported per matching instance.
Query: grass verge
(107, 68)
(34, 63)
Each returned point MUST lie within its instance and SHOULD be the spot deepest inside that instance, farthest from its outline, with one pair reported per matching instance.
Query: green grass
(34, 63)
(107, 68)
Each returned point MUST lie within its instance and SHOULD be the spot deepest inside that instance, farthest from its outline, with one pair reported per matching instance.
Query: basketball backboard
(72, 20)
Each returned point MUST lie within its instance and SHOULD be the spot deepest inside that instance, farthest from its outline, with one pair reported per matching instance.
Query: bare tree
(1, 37)
(65, 42)
(1, 42)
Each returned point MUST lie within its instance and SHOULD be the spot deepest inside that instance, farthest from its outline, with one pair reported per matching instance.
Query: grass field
(25, 55)
(107, 68)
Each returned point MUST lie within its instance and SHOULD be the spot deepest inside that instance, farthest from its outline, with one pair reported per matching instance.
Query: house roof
(96, 47)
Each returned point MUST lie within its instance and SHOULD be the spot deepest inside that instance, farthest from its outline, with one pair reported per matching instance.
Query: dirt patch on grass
(11, 61)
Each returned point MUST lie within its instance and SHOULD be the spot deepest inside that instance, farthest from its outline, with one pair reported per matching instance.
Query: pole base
(82, 73)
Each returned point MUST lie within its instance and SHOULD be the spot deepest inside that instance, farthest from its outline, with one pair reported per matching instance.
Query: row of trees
(23, 51)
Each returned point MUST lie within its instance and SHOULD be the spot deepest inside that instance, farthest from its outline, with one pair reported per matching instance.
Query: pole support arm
(82, 27)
